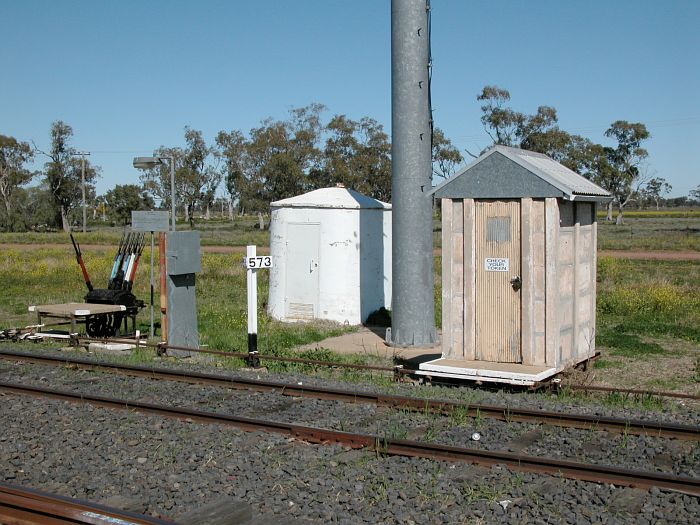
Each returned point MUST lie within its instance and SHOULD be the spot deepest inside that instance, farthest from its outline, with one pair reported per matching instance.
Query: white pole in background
(252, 278)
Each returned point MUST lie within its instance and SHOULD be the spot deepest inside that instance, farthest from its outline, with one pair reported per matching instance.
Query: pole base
(397, 338)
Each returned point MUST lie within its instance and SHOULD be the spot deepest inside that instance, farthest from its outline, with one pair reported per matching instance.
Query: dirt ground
(677, 370)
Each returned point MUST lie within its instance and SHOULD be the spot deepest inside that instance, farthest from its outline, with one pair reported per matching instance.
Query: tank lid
(338, 197)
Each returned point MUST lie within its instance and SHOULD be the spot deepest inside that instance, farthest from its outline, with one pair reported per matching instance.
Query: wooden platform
(72, 313)
(513, 373)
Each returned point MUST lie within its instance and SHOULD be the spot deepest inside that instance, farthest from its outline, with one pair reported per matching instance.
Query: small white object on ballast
(476, 436)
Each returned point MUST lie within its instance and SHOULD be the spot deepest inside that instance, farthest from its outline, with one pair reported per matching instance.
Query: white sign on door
(493, 264)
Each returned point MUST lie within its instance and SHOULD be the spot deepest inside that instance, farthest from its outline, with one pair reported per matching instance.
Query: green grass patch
(638, 300)
(666, 232)
(242, 231)
(654, 214)
(606, 363)
(624, 400)
(626, 344)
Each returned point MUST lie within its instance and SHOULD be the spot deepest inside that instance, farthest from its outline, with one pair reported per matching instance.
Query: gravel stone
(168, 467)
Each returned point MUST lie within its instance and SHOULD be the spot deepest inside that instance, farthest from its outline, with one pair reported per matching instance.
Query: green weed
(605, 363)
(626, 344)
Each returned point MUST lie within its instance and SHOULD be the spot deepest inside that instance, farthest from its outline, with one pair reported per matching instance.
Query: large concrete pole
(412, 302)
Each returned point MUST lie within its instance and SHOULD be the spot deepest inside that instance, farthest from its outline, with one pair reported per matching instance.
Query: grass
(647, 310)
(51, 275)
(606, 363)
(648, 323)
(218, 232)
(651, 232)
(639, 299)
(675, 213)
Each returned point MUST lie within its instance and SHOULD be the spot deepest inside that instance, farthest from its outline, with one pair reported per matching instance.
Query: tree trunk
(261, 221)
(610, 212)
(619, 220)
(207, 213)
(8, 210)
(64, 220)
(187, 213)
(230, 209)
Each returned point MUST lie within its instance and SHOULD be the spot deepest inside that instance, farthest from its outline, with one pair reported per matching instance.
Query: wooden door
(497, 244)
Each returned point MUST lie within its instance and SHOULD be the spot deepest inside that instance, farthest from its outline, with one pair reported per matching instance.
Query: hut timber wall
(550, 245)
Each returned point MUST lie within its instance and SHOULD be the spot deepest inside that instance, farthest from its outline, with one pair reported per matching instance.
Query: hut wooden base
(511, 373)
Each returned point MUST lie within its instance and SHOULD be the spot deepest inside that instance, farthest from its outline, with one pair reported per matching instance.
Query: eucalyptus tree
(357, 154)
(695, 194)
(196, 174)
(156, 180)
(623, 178)
(62, 173)
(232, 149)
(655, 189)
(14, 173)
(200, 178)
(125, 198)
(275, 160)
(538, 132)
(446, 157)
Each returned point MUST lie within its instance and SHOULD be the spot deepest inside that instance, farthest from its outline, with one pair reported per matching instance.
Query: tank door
(301, 300)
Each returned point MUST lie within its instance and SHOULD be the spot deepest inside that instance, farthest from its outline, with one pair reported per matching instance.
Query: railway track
(502, 413)
(398, 371)
(24, 506)
(380, 445)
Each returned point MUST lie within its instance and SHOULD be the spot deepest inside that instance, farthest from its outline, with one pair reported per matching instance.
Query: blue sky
(129, 75)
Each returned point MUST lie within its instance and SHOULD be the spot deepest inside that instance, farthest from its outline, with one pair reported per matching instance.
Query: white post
(252, 278)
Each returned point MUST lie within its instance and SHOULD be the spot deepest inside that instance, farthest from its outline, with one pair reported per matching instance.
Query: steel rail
(636, 392)
(381, 445)
(398, 370)
(244, 356)
(502, 413)
(22, 505)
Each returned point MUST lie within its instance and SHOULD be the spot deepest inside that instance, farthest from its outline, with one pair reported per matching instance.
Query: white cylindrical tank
(332, 256)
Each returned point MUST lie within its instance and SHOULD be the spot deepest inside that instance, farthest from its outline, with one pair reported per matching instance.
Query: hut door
(302, 270)
(498, 322)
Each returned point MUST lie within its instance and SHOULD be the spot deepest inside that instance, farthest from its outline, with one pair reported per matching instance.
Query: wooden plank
(469, 280)
(528, 279)
(551, 210)
(538, 256)
(457, 277)
(487, 365)
(594, 270)
(68, 310)
(446, 277)
(574, 351)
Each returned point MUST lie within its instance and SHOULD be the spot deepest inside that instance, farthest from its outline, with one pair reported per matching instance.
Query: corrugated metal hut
(332, 256)
(518, 268)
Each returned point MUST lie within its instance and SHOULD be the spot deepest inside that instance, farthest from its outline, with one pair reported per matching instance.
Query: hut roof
(504, 172)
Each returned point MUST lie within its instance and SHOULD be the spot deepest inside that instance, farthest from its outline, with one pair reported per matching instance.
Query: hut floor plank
(514, 373)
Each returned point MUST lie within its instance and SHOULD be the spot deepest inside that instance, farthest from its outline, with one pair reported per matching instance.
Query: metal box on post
(184, 260)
